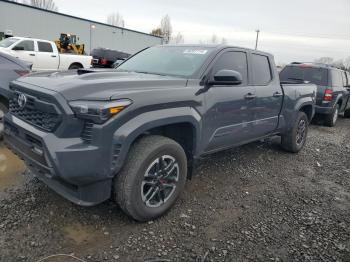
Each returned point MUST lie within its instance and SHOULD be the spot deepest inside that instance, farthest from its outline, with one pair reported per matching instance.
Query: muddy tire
(295, 140)
(152, 178)
(3, 111)
(331, 119)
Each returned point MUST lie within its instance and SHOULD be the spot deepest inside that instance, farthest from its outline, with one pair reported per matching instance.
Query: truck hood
(99, 84)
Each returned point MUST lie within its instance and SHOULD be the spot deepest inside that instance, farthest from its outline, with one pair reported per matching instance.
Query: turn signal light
(115, 110)
(328, 95)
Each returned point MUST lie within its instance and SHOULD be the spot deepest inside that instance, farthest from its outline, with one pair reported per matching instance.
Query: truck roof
(30, 38)
(314, 65)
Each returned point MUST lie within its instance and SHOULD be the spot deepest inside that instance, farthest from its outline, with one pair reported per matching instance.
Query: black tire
(129, 183)
(3, 110)
(291, 141)
(331, 119)
(347, 113)
(74, 66)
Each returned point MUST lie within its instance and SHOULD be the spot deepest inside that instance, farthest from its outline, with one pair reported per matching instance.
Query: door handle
(32, 54)
(277, 94)
(250, 96)
(53, 56)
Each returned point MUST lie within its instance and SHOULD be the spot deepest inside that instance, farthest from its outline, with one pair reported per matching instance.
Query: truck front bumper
(75, 170)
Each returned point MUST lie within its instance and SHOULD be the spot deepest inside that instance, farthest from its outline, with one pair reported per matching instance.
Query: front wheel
(152, 178)
(295, 140)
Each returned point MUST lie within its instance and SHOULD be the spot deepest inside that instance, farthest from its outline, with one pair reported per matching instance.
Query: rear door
(25, 50)
(229, 115)
(269, 95)
(46, 58)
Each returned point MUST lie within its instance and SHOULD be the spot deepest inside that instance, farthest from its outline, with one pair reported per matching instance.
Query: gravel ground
(253, 203)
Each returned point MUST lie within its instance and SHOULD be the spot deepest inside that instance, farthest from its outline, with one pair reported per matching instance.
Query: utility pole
(257, 39)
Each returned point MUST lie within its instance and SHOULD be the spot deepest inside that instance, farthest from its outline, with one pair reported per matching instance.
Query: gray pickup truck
(135, 133)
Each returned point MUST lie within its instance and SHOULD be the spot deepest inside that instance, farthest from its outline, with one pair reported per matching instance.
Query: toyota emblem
(22, 100)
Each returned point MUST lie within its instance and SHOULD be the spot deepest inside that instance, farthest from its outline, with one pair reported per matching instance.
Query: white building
(28, 21)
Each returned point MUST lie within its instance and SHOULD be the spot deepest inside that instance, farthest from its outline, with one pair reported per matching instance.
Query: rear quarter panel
(66, 60)
(296, 96)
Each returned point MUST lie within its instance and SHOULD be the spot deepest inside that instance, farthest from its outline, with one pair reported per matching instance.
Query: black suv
(332, 87)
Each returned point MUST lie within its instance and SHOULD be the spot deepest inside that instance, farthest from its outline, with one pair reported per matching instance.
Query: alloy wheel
(160, 181)
(301, 132)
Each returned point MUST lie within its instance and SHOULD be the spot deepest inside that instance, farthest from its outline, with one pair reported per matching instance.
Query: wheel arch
(179, 124)
(76, 64)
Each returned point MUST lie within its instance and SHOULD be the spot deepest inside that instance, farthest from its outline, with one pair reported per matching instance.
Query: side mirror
(226, 77)
(18, 48)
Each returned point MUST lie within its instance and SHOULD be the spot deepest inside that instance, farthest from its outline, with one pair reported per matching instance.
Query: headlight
(98, 111)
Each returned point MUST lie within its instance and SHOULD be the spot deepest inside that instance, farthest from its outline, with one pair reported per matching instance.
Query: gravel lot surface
(253, 203)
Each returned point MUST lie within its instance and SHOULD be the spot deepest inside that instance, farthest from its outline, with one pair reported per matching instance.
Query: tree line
(341, 63)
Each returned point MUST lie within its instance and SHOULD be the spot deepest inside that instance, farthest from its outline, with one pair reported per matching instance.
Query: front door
(25, 51)
(229, 115)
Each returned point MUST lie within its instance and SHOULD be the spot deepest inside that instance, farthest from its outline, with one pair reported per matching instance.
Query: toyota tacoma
(135, 133)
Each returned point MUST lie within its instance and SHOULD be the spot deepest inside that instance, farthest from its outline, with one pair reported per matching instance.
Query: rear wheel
(152, 178)
(75, 66)
(347, 113)
(295, 140)
(331, 119)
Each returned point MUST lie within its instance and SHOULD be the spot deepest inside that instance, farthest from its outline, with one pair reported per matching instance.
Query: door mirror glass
(227, 77)
(18, 48)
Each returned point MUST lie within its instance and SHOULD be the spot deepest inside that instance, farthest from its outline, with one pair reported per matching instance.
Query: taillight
(104, 61)
(328, 95)
(22, 72)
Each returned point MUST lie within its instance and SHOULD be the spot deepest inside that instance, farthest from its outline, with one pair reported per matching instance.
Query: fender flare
(340, 96)
(126, 134)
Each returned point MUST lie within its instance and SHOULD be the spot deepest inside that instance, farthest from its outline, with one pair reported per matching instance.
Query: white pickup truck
(43, 54)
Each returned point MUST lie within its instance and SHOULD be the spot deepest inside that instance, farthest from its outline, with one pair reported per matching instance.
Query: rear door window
(45, 47)
(337, 79)
(27, 45)
(261, 70)
(314, 75)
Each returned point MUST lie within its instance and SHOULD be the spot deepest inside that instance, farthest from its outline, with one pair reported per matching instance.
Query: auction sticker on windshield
(195, 52)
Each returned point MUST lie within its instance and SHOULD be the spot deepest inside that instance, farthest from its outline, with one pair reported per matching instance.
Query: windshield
(182, 61)
(317, 76)
(8, 42)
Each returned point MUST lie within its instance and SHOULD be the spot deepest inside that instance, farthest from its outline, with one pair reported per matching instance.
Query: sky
(293, 30)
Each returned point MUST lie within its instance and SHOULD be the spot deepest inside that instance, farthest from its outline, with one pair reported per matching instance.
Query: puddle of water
(11, 168)
(80, 234)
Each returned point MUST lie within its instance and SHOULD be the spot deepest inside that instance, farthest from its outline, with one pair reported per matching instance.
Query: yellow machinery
(68, 44)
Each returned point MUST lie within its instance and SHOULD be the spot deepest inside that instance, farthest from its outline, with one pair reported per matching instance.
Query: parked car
(137, 130)
(106, 58)
(332, 88)
(43, 54)
(10, 69)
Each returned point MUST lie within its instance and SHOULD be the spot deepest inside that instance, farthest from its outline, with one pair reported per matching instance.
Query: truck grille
(36, 112)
